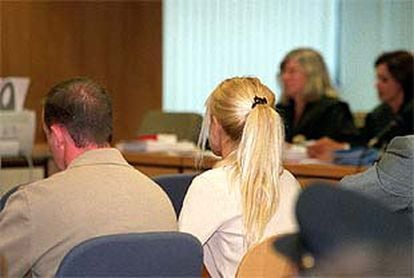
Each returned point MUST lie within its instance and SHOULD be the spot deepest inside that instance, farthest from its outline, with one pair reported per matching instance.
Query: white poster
(13, 91)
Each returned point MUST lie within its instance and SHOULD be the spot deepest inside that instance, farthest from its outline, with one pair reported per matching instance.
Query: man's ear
(57, 135)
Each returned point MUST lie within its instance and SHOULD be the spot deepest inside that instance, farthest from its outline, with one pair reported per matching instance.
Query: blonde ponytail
(244, 107)
(259, 158)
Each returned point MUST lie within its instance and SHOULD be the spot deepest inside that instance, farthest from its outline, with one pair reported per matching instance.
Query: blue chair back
(135, 255)
(176, 186)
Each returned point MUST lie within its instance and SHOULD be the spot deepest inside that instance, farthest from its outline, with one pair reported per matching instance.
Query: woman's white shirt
(212, 212)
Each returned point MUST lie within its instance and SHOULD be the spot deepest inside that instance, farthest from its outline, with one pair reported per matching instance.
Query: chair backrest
(185, 125)
(135, 254)
(3, 266)
(176, 186)
(263, 261)
(359, 118)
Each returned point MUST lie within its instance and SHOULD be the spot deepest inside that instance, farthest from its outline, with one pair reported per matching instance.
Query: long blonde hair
(258, 134)
(318, 82)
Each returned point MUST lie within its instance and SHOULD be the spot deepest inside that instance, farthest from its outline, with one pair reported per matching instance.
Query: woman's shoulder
(407, 108)
(329, 105)
(216, 172)
(284, 106)
(212, 179)
(331, 101)
(381, 111)
(289, 181)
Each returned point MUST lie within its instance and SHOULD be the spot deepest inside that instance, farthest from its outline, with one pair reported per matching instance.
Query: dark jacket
(325, 117)
(385, 125)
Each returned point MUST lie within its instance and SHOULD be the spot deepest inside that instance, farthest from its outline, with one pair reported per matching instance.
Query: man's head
(77, 116)
(343, 233)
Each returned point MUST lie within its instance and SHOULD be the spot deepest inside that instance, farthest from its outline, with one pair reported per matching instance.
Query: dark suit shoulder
(380, 110)
(326, 104)
(284, 106)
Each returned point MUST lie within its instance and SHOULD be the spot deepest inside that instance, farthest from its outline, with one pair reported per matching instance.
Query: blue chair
(176, 186)
(152, 254)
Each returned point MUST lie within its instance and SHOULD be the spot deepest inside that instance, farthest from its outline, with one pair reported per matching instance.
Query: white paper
(13, 91)
(155, 146)
(17, 127)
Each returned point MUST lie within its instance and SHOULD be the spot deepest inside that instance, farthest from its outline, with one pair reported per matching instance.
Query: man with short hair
(96, 193)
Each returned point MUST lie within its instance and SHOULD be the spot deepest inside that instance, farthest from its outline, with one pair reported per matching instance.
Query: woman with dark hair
(394, 116)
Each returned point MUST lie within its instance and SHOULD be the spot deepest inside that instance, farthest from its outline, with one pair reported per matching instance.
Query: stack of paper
(295, 153)
(156, 143)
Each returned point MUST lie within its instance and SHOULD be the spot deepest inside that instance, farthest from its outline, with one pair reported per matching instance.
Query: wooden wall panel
(116, 43)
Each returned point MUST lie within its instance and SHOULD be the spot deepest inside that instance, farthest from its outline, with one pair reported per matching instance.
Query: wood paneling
(117, 43)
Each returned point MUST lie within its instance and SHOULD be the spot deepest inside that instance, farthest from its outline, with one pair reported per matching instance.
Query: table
(153, 164)
(332, 173)
(40, 158)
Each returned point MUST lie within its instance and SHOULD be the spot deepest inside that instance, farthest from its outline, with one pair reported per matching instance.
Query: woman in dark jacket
(310, 106)
(393, 117)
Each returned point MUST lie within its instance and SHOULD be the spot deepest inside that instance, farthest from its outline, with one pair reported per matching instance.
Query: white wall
(369, 28)
(206, 41)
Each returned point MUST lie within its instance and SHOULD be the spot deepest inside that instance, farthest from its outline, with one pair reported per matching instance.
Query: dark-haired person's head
(395, 72)
(77, 111)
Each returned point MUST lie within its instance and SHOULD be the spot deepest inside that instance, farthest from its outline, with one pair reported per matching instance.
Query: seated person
(248, 196)
(390, 180)
(96, 193)
(345, 234)
(393, 117)
(309, 105)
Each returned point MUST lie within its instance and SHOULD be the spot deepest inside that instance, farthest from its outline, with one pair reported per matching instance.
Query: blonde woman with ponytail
(247, 196)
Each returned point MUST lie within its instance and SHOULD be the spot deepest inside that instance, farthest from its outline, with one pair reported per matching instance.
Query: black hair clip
(259, 100)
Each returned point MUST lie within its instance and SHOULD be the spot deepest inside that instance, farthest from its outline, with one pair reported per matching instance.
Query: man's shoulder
(25, 189)
(402, 145)
(6, 196)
